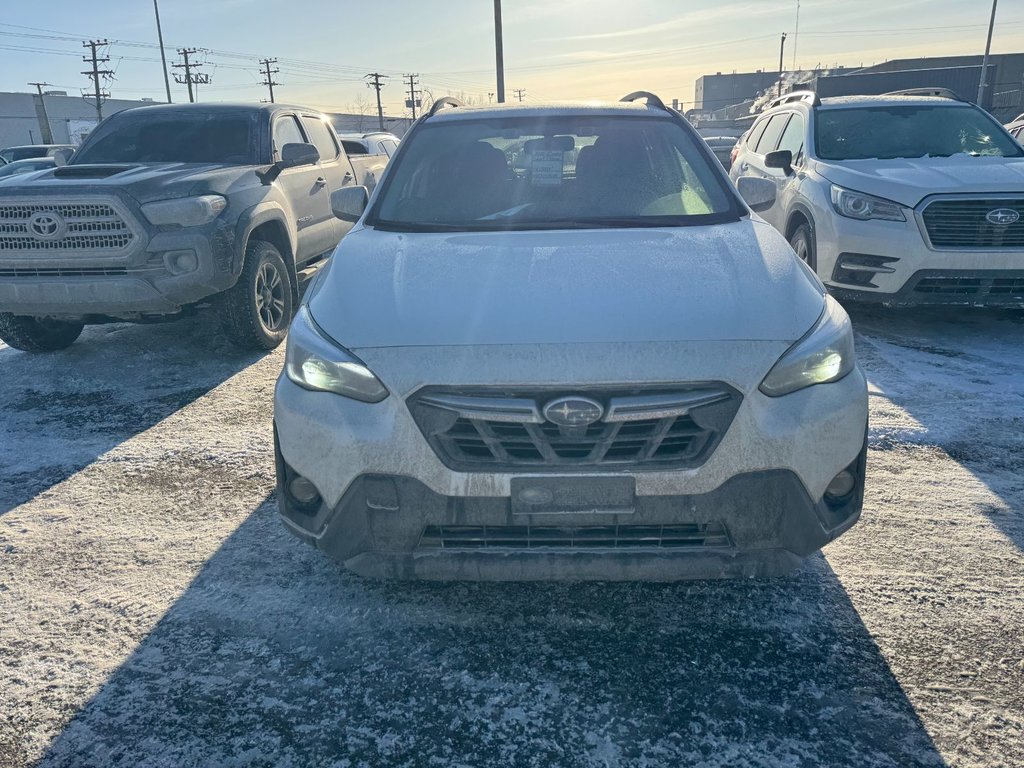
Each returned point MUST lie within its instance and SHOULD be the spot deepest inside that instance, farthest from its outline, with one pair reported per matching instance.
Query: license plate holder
(573, 495)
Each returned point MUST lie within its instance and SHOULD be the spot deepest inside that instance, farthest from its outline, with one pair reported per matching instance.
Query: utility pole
(983, 84)
(96, 73)
(519, 92)
(191, 77)
(44, 120)
(269, 73)
(375, 83)
(796, 34)
(499, 53)
(411, 79)
(782, 51)
(163, 55)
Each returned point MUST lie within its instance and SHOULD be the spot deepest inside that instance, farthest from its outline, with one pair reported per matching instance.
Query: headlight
(857, 205)
(824, 354)
(185, 211)
(314, 361)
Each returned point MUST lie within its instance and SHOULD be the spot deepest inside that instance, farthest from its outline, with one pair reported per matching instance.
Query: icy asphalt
(154, 612)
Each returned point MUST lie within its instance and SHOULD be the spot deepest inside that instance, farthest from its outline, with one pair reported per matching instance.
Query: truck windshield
(909, 131)
(576, 171)
(172, 137)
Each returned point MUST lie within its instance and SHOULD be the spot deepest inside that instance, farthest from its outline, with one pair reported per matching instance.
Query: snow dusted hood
(727, 282)
(910, 180)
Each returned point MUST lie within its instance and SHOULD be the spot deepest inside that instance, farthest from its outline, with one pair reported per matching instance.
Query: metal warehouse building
(69, 117)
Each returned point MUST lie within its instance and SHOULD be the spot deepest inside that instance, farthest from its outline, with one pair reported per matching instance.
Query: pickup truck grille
(496, 430)
(46, 227)
(966, 223)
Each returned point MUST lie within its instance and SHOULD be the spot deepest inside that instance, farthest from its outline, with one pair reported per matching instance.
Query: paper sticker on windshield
(546, 168)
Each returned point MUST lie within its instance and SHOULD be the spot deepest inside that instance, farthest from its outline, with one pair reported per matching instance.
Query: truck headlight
(824, 354)
(185, 211)
(857, 205)
(314, 361)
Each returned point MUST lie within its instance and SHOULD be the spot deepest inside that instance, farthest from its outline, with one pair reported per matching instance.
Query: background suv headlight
(857, 205)
(314, 361)
(824, 354)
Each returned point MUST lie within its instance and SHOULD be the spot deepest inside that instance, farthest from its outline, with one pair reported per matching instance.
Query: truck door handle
(320, 181)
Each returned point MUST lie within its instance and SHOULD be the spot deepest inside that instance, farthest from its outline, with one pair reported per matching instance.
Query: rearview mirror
(758, 194)
(780, 158)
(348, 203)
(293, 155)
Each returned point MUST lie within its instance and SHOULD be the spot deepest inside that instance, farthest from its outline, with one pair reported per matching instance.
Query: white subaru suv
(558, 345)
(900, 199)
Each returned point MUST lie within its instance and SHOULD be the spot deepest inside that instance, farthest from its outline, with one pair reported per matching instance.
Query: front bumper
(381, 485)
(911, 271)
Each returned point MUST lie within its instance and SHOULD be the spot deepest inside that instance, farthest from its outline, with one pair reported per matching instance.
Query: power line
(376, 84)
(269, 75)
(96, 73)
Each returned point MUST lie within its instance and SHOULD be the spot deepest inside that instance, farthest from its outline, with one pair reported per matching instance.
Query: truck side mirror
(62, 156)
(293, 155)
(348, 203)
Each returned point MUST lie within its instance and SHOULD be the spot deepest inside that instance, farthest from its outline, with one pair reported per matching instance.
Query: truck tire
(255, 312)
(802, 242)
(37, 334)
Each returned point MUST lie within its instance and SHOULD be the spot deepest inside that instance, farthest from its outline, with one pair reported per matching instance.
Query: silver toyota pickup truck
(164, 208)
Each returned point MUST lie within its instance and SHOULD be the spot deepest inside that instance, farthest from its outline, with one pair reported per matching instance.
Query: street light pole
(782, 52)
(499, 54)
(163, 56)
(983, 83)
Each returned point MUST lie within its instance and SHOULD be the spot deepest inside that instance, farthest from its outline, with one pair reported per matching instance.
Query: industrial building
(69, 118)
(719, 90)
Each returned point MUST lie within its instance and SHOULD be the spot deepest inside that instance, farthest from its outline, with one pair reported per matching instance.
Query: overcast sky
(554, 49)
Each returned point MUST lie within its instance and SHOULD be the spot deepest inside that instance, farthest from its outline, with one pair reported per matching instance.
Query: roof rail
(810, 97)
(444, 101)
(940, 93)
(652, 100)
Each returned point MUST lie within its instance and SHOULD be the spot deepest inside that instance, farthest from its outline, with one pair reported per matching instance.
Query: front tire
(802, 242)
(38, 334)
(255, 312)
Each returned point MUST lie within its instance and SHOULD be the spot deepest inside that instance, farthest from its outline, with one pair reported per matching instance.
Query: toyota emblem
(573, 411)
(1003, 217)
(47, 225)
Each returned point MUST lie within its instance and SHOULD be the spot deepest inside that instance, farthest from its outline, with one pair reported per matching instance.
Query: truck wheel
(256, 311)
(37, 334)
(802, 242)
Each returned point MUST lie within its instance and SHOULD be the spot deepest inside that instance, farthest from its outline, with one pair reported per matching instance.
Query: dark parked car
(722, 147)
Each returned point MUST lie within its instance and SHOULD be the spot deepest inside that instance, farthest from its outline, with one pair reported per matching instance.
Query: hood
(909, 180)
(143, 182)
(737, 281)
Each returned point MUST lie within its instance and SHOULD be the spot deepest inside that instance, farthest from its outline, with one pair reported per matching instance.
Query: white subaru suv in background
(902, 199)
(557, 345)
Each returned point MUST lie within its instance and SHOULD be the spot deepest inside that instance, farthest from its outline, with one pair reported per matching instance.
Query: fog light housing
(181, 262)
(841, 485)
(302, 490)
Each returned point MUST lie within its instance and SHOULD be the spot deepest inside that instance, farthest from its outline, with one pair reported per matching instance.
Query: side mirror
(758, 194)
(780, 158)
(62, 156)
(293, 155)
(348, 203)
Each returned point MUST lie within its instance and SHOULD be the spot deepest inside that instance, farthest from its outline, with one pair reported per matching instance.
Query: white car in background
(900, 199)
(374, 143)
(600, 366)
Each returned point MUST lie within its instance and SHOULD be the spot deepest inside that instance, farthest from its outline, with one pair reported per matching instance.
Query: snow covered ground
(153, 611)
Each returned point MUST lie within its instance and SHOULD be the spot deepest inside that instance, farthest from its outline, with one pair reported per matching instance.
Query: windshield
(909, 131)
(549, 173)
(172, 137)
(14, 154)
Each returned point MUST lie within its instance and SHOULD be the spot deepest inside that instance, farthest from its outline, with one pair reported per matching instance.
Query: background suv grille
(962, 223)
(489, 430)
(90, 227)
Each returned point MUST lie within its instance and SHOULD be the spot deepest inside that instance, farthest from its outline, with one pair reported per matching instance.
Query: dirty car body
(558, 345)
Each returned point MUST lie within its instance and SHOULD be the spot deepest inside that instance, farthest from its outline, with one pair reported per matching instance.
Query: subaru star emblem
(573, 411)
(46, 225)
(1003, 216)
